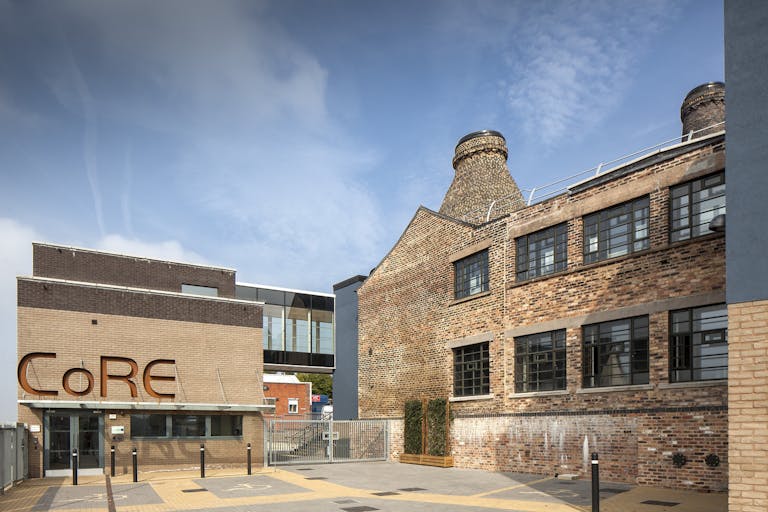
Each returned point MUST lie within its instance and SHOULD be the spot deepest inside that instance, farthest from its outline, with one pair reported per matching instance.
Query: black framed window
(616, 353)
(166, 426)
(698, 344)
(694, 205)
(616, 231)
(540, 362)
(542, 252)
(471, 370)
(471, 275)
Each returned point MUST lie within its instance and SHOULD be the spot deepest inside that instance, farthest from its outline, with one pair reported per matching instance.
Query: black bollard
(249, 458)
(112, 461)
(135, 465)
(595, 484)
(74, 466)
(202, 461)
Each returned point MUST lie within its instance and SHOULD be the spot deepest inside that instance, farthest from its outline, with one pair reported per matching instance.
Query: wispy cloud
(572, 62)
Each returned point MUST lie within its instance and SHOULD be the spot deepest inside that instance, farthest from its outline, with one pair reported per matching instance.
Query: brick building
(591, 321)
(290, 396)
(124, 351)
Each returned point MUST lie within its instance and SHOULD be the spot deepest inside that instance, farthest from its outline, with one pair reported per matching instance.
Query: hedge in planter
(412, 427)
(436, 427)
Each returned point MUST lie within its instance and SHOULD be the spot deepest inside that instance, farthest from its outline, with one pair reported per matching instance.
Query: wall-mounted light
(718, 223)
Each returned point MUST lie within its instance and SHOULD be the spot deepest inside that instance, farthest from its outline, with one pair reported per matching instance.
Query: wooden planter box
(427, 460)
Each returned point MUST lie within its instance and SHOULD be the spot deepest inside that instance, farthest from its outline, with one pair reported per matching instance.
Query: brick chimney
(481, 178)
(703, 107)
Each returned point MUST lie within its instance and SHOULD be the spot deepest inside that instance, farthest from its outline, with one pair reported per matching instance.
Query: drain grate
(344, 502)
(386, 493)
(305, 469)
(611, 490)
(194, 490)
(364, 508)
(660, 503)
(315, 478)
(412, 489)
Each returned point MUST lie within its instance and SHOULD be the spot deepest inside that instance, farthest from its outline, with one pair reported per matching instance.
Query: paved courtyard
(358, 487)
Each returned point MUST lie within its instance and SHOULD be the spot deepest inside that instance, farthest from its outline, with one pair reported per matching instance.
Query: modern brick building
(160, 356)
(592, 321)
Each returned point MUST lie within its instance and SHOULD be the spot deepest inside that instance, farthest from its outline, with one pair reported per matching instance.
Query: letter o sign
(68, 388)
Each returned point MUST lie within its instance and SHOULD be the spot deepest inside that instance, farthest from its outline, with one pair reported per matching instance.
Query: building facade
(592, 321)
(125, 352)
(291, 397)
(345, 376)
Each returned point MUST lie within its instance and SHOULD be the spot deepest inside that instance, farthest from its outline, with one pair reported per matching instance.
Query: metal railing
(13, 455)
(561, 185)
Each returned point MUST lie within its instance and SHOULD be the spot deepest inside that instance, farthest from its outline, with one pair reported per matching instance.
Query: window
(471, 370)
(194, 289)
(616, 353)
(471, 275)
(293, 406)
(542, 253)
(540, 362)
(148, 425)
(698, 344)
(694, 205)
(616, 231)
(185, 425)
(226, 426)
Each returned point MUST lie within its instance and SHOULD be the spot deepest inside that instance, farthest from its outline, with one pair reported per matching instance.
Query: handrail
(543, 192)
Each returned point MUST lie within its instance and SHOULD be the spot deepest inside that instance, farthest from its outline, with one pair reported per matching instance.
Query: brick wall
(748, 406)
(282, 391)
(97, 267)
(409, 321)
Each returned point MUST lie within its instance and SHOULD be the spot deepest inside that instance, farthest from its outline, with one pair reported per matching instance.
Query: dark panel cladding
(298, 358)
(96, 267)
(72, 297)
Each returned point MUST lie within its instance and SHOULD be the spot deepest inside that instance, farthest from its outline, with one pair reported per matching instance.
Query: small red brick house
(292, 398)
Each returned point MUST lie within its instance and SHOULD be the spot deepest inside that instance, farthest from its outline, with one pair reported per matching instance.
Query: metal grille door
(323, 442)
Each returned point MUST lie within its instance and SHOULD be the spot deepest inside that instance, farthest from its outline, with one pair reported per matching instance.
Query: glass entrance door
(66, 430)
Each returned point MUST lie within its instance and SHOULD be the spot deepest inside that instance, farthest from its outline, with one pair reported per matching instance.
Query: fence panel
(322, 442)
(13, 454)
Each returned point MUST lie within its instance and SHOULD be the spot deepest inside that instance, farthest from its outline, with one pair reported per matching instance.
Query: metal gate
(323, 442)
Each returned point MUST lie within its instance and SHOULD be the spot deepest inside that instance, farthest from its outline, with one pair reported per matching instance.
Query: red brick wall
(282, 391)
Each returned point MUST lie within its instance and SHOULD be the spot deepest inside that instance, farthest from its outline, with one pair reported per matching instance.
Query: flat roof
(113, 253)
(282, 289)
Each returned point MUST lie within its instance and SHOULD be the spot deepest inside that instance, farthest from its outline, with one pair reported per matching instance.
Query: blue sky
(293, 141)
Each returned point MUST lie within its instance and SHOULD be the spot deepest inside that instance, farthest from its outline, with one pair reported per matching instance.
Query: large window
(616, 353)
(543, 252)
(471, 275)
(185, 426)
(471, 370)
(694, 205)
(698, 344)
(616, 231)
(540, 362)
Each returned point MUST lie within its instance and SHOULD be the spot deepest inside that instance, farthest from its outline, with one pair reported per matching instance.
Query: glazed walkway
(361, 487)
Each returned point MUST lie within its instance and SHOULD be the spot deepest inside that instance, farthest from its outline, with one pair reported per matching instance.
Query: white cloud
(571, 62)
(15, 259)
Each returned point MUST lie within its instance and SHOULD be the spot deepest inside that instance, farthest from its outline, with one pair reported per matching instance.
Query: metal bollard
(135, 465)
(249, 458)
(112, 461)
(74, 466)
(202, 461)
(595, 484)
